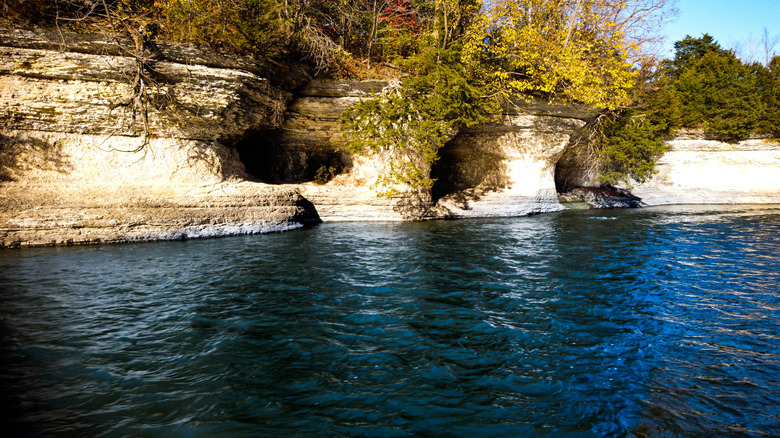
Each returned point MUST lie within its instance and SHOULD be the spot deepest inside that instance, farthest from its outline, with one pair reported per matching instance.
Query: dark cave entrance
(445, 173)
(467, 162)
(274, 157)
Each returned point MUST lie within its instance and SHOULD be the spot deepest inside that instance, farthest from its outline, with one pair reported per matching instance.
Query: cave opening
(272, 157)
(561, 178)
(468, 162)
(444, 173)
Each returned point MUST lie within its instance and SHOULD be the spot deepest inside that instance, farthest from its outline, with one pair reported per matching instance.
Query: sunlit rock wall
(697, 170)
(72, 168)
(500, 169)
(308, 140)
(508, 168)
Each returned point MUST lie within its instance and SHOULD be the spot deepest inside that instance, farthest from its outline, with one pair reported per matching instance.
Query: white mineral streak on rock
(699, 171)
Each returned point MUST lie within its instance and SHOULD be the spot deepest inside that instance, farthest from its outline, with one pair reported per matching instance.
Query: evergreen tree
(411, 120)
(768, 79)
(633, 139)
(717, 92)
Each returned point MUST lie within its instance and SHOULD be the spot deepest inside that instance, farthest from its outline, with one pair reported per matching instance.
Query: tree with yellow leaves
(472, 59)
(566, 50)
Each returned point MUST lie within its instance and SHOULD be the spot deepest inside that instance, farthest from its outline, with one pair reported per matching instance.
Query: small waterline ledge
(52, 236)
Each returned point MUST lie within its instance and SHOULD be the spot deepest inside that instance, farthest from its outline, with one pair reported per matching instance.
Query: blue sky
(728, 21)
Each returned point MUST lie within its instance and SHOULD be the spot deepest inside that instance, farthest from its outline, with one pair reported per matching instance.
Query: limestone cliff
(75, 166)
(503, 169)
(307, 141)
(74, 169)
(697, 169)
(234, 145)
(700, 170)
(508, 168)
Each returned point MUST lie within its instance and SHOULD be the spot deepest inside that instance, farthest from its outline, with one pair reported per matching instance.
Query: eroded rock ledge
(508, 169)
(72, 169)
(499, 170)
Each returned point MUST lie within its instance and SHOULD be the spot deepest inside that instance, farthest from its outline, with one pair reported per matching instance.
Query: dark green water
(651, 322)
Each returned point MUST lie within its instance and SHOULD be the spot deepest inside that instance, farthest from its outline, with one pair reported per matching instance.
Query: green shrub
(325, 174)
(630, 148)
(408, 123)
(632, 140)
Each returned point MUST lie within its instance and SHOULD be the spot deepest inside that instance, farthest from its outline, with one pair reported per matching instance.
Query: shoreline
(48, 215)
(76, 233)
(76, 168)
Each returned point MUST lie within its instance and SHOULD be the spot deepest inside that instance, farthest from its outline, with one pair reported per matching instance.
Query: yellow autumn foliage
(565, 50)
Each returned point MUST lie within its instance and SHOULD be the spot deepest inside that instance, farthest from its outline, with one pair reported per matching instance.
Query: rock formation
(78, 162)
(600, 197)
(307, 141)
(507, 169)
(204, 144)
(700, 170)
(500, 170)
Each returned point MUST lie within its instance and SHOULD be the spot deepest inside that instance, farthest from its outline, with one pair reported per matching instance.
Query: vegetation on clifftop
(704, 87)
(470, 60)
(719, 93)
(415, 116)
(457, 63)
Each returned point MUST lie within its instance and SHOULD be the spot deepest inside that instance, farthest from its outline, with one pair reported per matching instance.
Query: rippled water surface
(651, 322)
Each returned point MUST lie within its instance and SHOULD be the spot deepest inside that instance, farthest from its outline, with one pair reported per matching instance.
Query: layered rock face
(206, 145)
(507, 169)
(499, 170)
(308, 141)
(697, 170)
(81, 162)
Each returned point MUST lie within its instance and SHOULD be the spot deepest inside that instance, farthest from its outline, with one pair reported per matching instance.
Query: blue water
(650, 322)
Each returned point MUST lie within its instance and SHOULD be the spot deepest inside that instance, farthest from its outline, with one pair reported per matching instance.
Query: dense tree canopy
(439, 94)
(717, 91)
(703, 87)
(768, 80)
(560, 48)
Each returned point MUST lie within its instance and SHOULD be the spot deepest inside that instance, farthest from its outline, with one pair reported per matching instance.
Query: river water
(646, 322)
